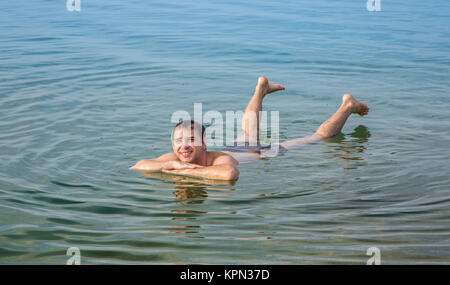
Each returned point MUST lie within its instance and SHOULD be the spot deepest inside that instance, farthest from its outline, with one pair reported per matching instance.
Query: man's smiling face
(187, 144)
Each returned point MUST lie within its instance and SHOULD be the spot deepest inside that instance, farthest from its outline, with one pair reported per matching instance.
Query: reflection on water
(189, 191)
(190, 181)
(350, 147)
(188, 227)
(184, 229)
(190, 195)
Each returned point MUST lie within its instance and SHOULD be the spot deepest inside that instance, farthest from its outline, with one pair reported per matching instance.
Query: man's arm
(165, 161)
(224, 167)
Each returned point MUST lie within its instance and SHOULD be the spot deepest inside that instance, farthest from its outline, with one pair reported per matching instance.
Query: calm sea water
(84, 95)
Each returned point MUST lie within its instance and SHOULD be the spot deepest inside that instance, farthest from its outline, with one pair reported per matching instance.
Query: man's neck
(203, 160)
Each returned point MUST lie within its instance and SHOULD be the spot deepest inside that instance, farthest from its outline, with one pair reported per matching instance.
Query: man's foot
(268, 87)
(355, 106)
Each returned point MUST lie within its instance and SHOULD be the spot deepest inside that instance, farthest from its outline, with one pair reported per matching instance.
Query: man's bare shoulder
(218, 157)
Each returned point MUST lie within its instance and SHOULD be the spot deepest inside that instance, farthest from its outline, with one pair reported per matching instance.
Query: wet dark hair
(192, 124)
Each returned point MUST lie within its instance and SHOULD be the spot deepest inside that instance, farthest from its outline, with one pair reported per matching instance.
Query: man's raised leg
(334, 124)
(251, 117)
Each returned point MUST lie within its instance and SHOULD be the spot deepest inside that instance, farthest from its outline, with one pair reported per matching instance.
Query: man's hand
(224, 168)
(177, 165)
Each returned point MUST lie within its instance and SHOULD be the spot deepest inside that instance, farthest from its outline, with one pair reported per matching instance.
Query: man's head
(188, 141)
